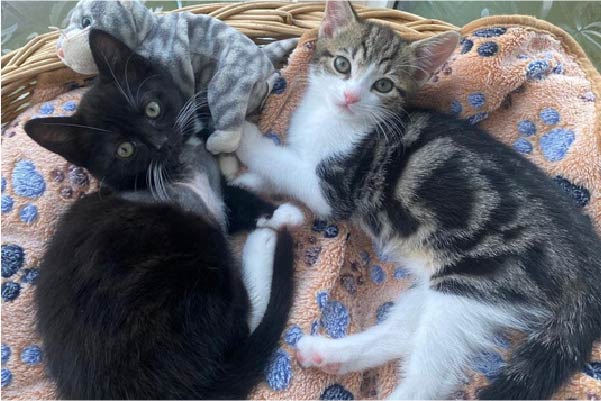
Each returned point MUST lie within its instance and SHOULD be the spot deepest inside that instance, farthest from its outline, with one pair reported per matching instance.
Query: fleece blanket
(524, 80)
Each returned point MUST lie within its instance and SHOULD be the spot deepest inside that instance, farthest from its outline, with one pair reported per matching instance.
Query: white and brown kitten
(493, 242)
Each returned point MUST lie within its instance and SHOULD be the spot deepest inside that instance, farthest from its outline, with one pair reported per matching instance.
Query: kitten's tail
(549, 357)
(249, 361)
(276, 51)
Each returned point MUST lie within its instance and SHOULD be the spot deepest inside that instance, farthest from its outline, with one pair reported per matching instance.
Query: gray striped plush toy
(200, 52)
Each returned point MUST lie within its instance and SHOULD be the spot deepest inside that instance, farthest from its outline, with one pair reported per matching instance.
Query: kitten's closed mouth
(345, 108)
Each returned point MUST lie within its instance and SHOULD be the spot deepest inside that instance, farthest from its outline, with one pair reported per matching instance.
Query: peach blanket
(524, 80)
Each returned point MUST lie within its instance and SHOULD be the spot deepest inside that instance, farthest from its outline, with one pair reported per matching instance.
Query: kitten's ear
(339, 14)
(432, 53)
(109, 53)
(61, 136)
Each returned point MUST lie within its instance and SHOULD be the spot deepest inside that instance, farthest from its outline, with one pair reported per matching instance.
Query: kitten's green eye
(152, 109)
(86, 22)
(383, 85)
(342, 65)
(126, 150)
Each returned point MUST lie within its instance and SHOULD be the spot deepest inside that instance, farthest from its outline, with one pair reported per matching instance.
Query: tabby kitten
(139, 294)
(493, 244)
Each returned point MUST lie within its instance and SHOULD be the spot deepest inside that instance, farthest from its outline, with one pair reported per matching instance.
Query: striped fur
(493, 243)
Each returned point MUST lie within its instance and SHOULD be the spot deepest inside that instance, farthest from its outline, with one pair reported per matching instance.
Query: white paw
(286, 215)
(250, 181)
(315, 351)
(263, 239)
(229, 166)
(224, 141)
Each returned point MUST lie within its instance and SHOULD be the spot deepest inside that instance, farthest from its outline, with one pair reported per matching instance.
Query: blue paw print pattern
(13, 257)
(578, 193)
(5, 354)
(279, 371)
(556, 143)
(28, 213)
(274, 137)
(311, 255)
(331, 231)
(27, 181)
(466, 45)
(3, 184)
(522, 145)
(488, 49)
(537, 69)
(47, 108)
(501, 341)
(29, 276)
(377, 274)
(292, 336)
(476, 99)
(279, 86)
(558, 69)
(526, 128)
(335, 319)
(550, 116)
(322, 299)
(476, 118)
(593, 369)
(7, 203)
(365, 257)
(400, 273)
(456, 107)
(382, 311)
(31, 355)
(349, 283)
(488, 363)
(490, 32)
(7, 377)
(10, 291)
(69, 105)
(314, 327)
(336, 392)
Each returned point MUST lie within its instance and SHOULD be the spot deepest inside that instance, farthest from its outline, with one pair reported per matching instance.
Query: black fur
(140, 298)
(128, 312)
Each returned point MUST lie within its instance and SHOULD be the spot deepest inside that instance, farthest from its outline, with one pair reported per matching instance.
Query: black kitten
(139, 295)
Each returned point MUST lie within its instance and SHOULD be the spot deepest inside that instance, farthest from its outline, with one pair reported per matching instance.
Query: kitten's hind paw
(315, 351)
(224, 141)
(287, 215)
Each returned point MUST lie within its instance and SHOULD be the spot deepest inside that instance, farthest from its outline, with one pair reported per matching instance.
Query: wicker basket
(262, 21)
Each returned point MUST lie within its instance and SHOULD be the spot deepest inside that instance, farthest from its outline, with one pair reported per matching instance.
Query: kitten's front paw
(315, 351)
(229, 166)
(250, 181)
(287, 215)
(224, 141)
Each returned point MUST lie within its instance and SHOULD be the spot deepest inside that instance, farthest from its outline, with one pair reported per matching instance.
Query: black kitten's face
(124, 131)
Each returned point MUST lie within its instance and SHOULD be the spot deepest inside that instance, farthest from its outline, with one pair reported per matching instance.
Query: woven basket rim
(25, 69)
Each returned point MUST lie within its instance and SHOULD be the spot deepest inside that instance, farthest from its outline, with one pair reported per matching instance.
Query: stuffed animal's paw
(224, 141)
(287, 215)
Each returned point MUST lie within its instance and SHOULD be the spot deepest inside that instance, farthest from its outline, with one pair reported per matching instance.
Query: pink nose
(351, 97)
